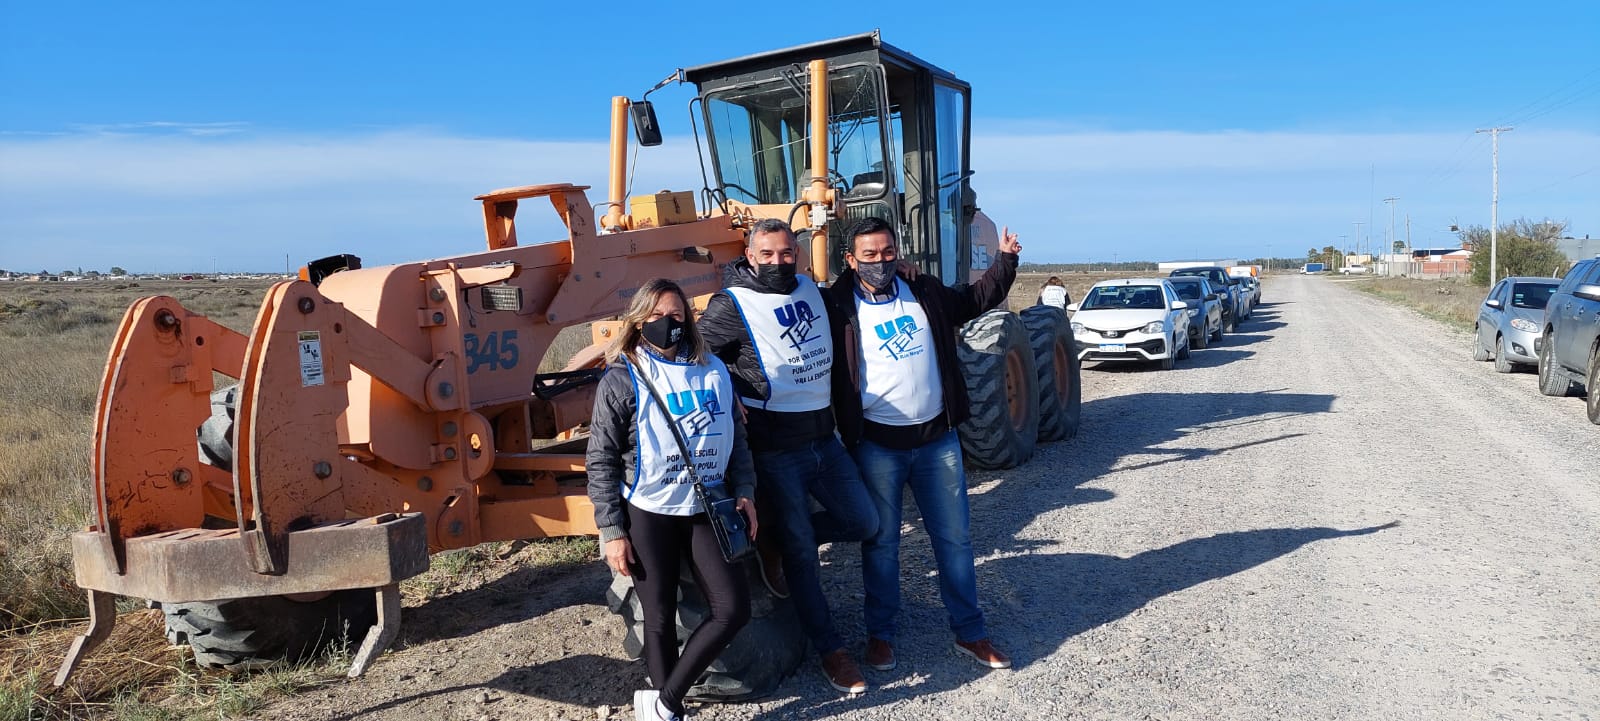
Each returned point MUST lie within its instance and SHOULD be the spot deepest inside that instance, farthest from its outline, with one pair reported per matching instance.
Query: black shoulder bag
(727, 523)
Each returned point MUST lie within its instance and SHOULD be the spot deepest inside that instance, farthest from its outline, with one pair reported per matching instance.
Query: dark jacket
(947, 307)
(725, 332)
(614, 446)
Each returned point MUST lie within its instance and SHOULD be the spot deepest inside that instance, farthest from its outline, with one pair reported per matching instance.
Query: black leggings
(661, 544)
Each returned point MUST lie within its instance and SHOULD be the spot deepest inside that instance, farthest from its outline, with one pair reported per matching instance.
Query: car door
(1177, 318)
(1564, 317)
(1488, 319)
(1582, 314)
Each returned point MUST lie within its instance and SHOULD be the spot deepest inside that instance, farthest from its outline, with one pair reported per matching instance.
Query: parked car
(1132, 319)
(1569, 346)
(1354, 269)
(1205, 309)
(1508, 322)
(1251, 289)
(1227, 287)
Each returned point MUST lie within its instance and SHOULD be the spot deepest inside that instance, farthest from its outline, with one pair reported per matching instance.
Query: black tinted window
(1532, 295)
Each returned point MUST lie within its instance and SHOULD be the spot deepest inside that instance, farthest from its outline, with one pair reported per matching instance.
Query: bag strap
(677, 435)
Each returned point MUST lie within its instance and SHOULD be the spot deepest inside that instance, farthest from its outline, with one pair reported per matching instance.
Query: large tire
(247, 633)
(1593, 388)
(764, 653)
(1479, 353)
(1002, 386)
(1552, 381)
(1055, 356)
(1502, 364)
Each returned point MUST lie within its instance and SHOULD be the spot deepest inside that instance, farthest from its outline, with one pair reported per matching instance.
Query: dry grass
(53, 341)
(1026, 288)
(136, 675)
(1453, 302)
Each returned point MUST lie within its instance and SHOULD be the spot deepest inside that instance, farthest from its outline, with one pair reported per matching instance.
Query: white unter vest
(1055, 295)
(699, 399)
(793, 343)
(900, 384)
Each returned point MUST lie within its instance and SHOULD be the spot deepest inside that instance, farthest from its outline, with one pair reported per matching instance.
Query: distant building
(1577, 249)
(1172, 265)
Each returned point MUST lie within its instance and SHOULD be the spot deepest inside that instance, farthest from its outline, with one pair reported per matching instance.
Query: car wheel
(1198, 342)
(1552, 382)
(1479, 353)
(1502, 364)
(1216, 335)
(1593, 387)
(1184, 354)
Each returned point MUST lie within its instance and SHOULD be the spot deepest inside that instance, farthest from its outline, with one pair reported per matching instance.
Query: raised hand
(1008, 241)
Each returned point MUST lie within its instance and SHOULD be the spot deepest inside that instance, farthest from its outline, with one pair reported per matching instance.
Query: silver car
(1205, 309)
(1508, 322)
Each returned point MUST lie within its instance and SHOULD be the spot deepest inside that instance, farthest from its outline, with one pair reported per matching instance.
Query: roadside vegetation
(1451, 301)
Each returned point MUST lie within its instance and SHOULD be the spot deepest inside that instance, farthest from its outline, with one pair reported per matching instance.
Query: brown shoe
(842, 673)
(771, 563)
(880, 655)
(984, 653)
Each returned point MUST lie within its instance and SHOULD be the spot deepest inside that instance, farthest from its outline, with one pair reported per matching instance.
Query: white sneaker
(647, 707)
(644, 705)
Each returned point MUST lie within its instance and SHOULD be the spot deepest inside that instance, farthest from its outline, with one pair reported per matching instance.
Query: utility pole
(1494, 203)
(1358, 225)
(1388, 241)
(1408, 244)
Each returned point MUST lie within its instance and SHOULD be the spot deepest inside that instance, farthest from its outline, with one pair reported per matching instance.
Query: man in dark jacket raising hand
(898, 397)
(771, 327)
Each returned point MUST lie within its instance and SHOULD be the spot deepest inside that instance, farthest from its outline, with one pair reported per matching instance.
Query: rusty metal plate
(208, 565)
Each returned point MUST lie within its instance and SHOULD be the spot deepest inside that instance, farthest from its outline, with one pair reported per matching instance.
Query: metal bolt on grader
(385, 414)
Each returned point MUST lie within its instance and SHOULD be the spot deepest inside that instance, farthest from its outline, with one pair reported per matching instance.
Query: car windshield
(1139, 297)
(1532, 295)
(1210, 275)
(1187, 290)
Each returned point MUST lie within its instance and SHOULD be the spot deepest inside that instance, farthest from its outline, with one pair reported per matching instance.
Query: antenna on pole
(1494, 203)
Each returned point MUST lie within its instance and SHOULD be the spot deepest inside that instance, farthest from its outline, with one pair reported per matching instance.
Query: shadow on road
(1038, 596)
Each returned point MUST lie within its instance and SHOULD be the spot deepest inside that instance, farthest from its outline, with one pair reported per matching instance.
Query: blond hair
(644, 303)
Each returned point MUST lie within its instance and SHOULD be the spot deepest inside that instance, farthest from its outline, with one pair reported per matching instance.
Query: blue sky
(169, 136)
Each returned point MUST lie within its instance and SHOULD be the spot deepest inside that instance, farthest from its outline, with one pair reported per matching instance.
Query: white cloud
(170, 196)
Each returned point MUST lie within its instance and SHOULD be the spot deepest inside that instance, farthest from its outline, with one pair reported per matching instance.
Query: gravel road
(1334, 514)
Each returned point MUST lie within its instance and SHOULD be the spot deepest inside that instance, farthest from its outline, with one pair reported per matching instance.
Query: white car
(1132, 319)
(1354, 270)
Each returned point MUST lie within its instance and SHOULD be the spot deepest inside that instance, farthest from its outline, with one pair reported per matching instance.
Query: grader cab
(384, 414)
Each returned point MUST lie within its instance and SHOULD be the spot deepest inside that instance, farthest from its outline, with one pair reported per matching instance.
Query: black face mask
(663, 332)
(878, 276)
(778, 276)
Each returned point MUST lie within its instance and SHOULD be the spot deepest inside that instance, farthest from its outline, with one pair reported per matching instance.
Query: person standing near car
(898, 397)
(771, 327)
(1054, 293)
(661, 376)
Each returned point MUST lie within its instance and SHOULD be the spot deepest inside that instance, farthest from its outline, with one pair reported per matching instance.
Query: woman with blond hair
(664, 386)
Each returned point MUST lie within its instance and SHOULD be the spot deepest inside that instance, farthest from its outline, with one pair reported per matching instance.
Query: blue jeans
(786, 481)
(939, 486)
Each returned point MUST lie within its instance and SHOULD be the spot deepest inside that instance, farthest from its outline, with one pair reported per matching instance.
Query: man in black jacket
(771, 328)
(897, 342)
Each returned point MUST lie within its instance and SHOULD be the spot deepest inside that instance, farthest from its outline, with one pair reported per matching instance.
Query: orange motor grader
(384, 414)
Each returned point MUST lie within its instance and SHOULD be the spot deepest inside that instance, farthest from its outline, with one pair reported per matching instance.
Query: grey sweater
(613, 448)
